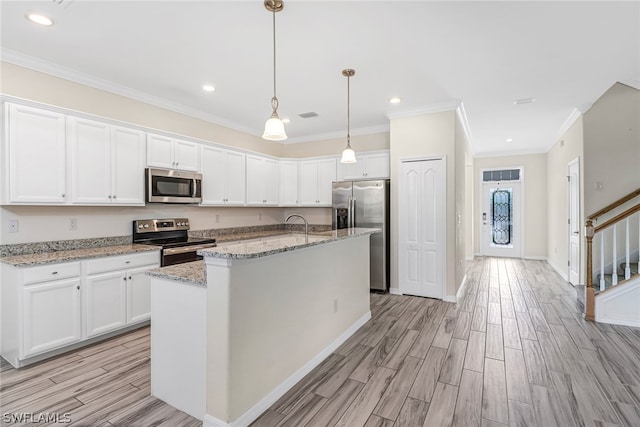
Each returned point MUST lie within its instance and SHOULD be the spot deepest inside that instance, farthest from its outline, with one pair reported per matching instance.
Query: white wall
(428, 135)
(464, 201)
(565, 150)
(535, 200)
(611, 147)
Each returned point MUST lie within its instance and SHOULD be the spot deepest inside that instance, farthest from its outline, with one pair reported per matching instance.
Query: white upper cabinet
(223, 177)
(315, 181)
(35, 156)
(262, 181)
(368, 166)
(106, 163)
(170, 153)
(288, 182)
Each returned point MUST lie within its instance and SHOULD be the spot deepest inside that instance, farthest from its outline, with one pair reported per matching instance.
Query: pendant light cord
(274, 100)
(348, 111)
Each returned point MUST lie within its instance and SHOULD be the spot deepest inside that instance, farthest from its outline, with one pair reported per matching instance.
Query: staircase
(612, 294)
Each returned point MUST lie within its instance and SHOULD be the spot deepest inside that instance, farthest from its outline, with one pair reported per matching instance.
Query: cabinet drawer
(122, 262)
(49, 272)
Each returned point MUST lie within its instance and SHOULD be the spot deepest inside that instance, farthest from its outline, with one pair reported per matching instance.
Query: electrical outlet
(335, 305)
(13, 226)
(217, 219)
(260, 216)
(73, 223)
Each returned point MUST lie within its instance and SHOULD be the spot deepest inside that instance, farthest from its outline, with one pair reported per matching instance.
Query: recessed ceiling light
(524, 101)
(509, 139)
(285, 120)
(40, 19)
(208, 88)
(395, 100)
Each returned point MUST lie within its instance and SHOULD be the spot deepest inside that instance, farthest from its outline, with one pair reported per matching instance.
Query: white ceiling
(431, 54)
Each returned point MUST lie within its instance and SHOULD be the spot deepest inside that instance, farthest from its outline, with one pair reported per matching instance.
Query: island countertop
(261, 247)
(193, 273)
(51, 257)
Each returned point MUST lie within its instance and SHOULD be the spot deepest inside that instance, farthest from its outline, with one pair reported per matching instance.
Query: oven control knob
(185, 223)
(146, 226)
(180, 223)
(140, 226)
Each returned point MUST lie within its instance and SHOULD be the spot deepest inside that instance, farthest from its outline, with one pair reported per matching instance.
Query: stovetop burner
(175, 242)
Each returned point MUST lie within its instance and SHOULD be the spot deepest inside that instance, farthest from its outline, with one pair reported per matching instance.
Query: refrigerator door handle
(353, 212)
(349, 213)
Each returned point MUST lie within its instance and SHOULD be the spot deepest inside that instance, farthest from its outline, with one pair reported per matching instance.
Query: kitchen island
(227, 343)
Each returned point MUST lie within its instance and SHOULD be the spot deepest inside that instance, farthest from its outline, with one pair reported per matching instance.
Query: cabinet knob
(129, 277)
(63, 195)
(54, 272)
(124, 278)
(114, 196)
(78, 287)
(109, 196)
(177, 164)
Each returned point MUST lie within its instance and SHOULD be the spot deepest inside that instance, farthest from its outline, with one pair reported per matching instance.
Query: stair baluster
(602, 282)
(614, 267)
(627, 266)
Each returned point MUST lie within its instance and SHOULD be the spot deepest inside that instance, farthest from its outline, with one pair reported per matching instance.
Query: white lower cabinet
(105, 302)
(51, 306)
(52, 315)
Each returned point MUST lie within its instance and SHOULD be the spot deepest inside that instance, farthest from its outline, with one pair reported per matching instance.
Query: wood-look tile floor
(513, 351)
(104, 385)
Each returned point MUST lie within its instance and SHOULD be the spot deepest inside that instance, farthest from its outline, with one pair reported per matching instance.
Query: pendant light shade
(348, 155)
(274, 127)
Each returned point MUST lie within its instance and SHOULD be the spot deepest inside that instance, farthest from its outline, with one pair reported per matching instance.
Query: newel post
(590, 297)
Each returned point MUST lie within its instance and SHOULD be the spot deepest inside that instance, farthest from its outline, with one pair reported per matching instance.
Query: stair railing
(602, 230)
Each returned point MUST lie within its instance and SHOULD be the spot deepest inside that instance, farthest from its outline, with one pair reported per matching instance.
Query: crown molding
(462, 116)
(508, 153)
(335, 135)
(575, 115)
(427, 109)
(46, 67)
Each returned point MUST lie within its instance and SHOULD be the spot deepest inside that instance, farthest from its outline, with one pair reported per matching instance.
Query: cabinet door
(235, 179)
(308, 184)
(138, 295)
(326, 176)
(255, 185)
(159, 151)
(52, 315)
(36, 159)
(105, 302)
(127, 166)
(270, 181)
(377, 166)
(186, 155)
(353, 170)
(89, 145)
(288, 183)
(213, 175)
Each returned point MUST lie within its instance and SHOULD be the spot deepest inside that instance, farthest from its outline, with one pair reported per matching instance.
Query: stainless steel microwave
(172, 186)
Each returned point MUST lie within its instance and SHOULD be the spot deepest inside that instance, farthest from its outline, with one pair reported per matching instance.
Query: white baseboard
(458, 295)
(562, 274)
(450, 298)
(395, 291)
(254, 412)
(536, 258)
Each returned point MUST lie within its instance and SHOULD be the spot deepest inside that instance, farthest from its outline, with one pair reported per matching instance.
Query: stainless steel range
(172, 234)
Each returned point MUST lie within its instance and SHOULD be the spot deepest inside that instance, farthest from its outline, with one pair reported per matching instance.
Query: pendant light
(348, 155)
(274, 128)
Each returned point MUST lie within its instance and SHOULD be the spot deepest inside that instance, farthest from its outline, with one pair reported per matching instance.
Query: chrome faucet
(306, 226)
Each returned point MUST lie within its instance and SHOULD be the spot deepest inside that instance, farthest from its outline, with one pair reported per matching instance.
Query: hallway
(514, 351)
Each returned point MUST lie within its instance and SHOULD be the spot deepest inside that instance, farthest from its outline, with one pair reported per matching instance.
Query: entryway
(574, 221)
(422, 227)
(502, 213)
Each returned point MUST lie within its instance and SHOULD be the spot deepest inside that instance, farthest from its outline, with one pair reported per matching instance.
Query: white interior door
(573, 209)
(422, 228)
(501, 219)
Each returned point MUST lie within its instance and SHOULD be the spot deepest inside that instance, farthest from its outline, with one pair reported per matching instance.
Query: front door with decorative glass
(501, 213)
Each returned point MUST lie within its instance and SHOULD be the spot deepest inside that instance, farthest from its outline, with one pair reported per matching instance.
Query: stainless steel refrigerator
(366, 204)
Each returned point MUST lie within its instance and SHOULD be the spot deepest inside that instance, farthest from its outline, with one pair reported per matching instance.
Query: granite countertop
(28, 260)
(193, 273)
(273, 244)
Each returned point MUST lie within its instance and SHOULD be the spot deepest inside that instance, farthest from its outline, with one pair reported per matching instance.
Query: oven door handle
(185, 249)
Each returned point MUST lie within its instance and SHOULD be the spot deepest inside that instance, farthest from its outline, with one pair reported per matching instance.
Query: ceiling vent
(308, 115)
(524, 101)
(63, 3)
